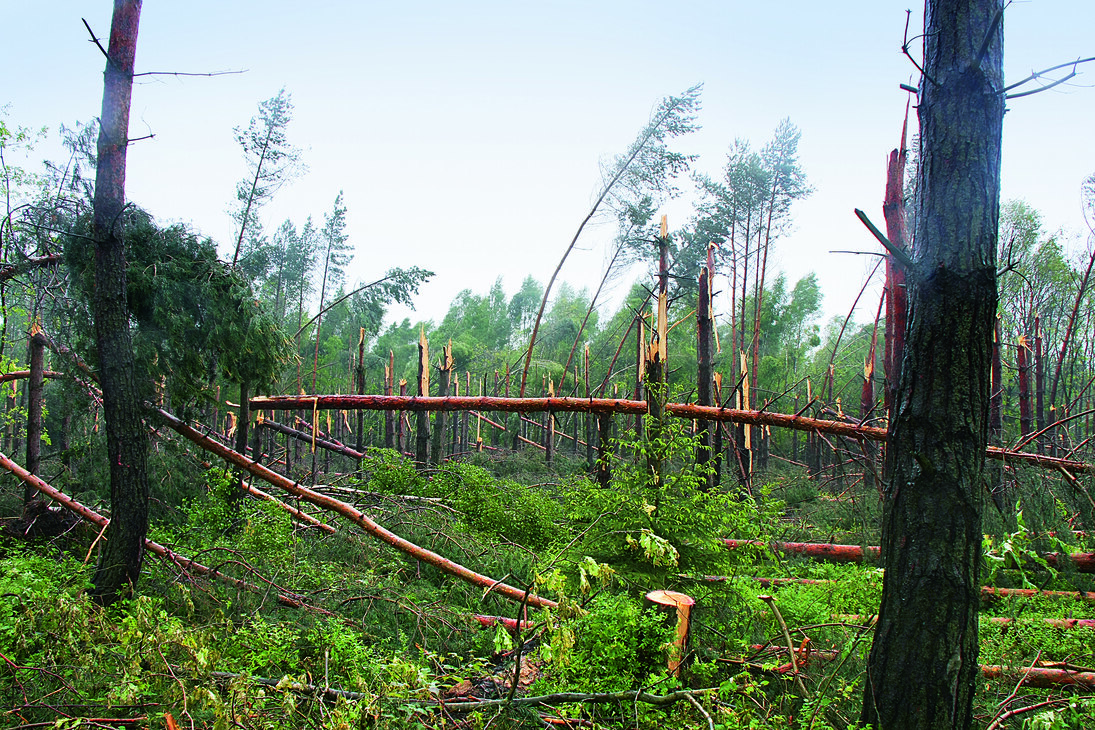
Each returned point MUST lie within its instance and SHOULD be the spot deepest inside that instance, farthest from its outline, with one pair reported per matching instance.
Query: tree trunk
(923, 663)
(127, 441)
(705, 382)
(34, 408)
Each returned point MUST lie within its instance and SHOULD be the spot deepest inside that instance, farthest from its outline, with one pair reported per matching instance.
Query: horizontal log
(1083, 562)
(24, 374)
(626, 407)
(988, 593)
(354, 515)
(820, 551)
(1039, 676)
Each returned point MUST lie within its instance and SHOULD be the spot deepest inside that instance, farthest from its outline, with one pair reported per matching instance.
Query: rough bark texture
(923, 663)
(34, 409)
(705, 383)
(127, 441)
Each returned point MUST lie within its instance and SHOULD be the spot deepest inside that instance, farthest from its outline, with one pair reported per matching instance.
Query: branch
(1037, 74)
(340, 300)
(988, 36)
(900, 256)
(184, 73)
(1058, 82)
(95, 40)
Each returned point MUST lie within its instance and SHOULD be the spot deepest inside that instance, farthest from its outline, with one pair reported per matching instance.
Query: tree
(923, 663)
(648, 168)
(271, 161)
(336, 254)
(127, 439)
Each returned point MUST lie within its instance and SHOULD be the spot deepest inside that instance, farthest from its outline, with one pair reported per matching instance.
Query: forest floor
(382, 641)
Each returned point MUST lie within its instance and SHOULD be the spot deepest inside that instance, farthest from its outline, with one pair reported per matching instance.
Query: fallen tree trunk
(24, 374)
(307, 438)
(354, 515)
(819, 551)
(162, 551)
(630, 407)
(988, 593)
(1083, 562)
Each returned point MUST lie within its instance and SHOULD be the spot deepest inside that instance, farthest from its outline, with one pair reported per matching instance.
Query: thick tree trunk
(127, 441)
(923, 663)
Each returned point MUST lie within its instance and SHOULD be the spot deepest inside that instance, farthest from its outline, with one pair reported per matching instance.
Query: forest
(237, 493)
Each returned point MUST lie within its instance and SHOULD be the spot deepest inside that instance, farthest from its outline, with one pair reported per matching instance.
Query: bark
(923, 664)
(127, 442)
(34, 409)
(996, 423)
(422, 422)
(1022, 364)
(705, 383)
(443, 381)
(604, 449)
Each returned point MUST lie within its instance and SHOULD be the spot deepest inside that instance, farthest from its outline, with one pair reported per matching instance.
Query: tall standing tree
(336, 255)
(923, 663)
(271, 161)
(127, 440)
(645, 172)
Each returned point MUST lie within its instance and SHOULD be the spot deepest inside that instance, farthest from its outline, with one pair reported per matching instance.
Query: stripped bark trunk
(995, 471)
(1039, 384)
(1022, 364)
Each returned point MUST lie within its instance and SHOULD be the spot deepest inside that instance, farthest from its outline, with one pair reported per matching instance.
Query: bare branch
(184, 73)
(900, 256)
(1038, 74)
(95, 40)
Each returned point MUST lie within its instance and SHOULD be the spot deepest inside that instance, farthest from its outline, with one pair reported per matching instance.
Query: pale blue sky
(467, 136)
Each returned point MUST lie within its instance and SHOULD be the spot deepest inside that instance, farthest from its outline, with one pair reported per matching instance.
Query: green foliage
(197, 318)
(499, 508)
(615, 645)
(656, 528)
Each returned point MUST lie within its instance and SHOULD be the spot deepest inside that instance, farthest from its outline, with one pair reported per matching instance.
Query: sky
(468, 137)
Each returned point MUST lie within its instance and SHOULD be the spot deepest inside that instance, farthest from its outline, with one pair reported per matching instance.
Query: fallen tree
(627, 407)
(162, 551)
(354, 515)
(1083, 562)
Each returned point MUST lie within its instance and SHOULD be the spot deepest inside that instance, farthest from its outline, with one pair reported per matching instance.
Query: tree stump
(676, 607)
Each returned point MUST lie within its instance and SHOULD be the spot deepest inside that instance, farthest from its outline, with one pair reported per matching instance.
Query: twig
(696, 703)
(999, 721)
(96, 541)
(1037, 74)
(790, 644)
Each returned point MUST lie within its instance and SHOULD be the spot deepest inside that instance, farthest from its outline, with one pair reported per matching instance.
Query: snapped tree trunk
(923, 663)
(127, 441)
